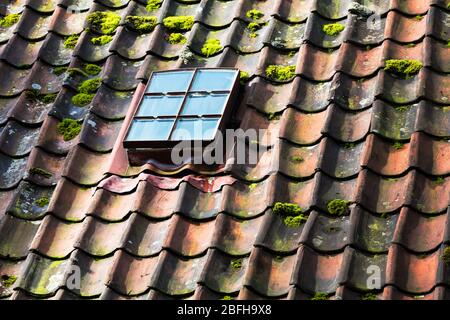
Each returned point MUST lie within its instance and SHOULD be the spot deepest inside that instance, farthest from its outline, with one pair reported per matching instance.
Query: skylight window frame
(168, 143)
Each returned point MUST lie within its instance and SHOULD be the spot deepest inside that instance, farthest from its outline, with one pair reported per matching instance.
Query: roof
(153, 232)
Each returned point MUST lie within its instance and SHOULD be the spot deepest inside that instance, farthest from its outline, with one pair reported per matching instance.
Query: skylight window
(180, 105)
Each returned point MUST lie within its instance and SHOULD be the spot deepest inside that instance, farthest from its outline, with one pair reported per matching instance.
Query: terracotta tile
(56, 238)
(189, 238)
(177, 276)
(315, 272)
(420, 233)
(410, 272)
(130, 275)
(269, 274)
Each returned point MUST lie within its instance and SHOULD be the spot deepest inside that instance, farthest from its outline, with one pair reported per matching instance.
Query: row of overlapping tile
(177, 235)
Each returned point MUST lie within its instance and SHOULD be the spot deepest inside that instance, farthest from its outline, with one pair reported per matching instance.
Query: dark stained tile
(29, 201)
(17, 235)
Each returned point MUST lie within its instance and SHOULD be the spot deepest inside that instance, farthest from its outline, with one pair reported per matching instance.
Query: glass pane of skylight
(176, 81)
(209, 80)
(195, 129)
(156, 106)
(150, 130)
(203, 104)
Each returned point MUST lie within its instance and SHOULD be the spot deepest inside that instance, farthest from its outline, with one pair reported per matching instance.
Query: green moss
(349, 145)
(294, 222)
(211, 47)
(69, 128)
(59, 70)
(446, 256)
(398, 145)
(7, 281)
(71, 41)
(153, 5)
(141, 24)
(418, 17)
(41, 172)
(338, 207)
(102, 40)
(176, 38)
(48, 98)
(252, 186)
(42, 202)
(90, 86)
(74, 71)
(291, 214)
(273, 116)
(243, 76)
(9, 20)
(280, 73)
(92, 69)
(439, 180)
(82, 99)
(227, 298)
(403, 68)
(254, 26)
(106, 21)
(179, 23)
(297, 159)
(333, 29)
(369, 296)
(236, 263)
(320, 296)
(254, 14)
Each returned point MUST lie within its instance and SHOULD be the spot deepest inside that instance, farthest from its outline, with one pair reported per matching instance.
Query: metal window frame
(223, 117)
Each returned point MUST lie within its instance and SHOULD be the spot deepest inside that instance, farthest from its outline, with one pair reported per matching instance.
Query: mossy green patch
(92, 69)
(226, 298)
(291, 214)
(7, 280)
(254, 26)
(71, 41)
(9, 20)
(176, 38)
(243, 76)
(179, 23)
(40, 172)
(254, 14)
(236, 263)
(153, 5)
(105, 21)
(69, 129)
(102, 40)
(439, 180)
(59, 70)
(74, 71)
(82, 99)
(211, 47)
(369, 296)
(446, 256)
(297, 159)
(90, 86)
(403, 68)
(320, 296)
(48, 98)
(398, 145)
(141, 24)
(333, 29)
(338, 207)
(280, 73)
(42, 202)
